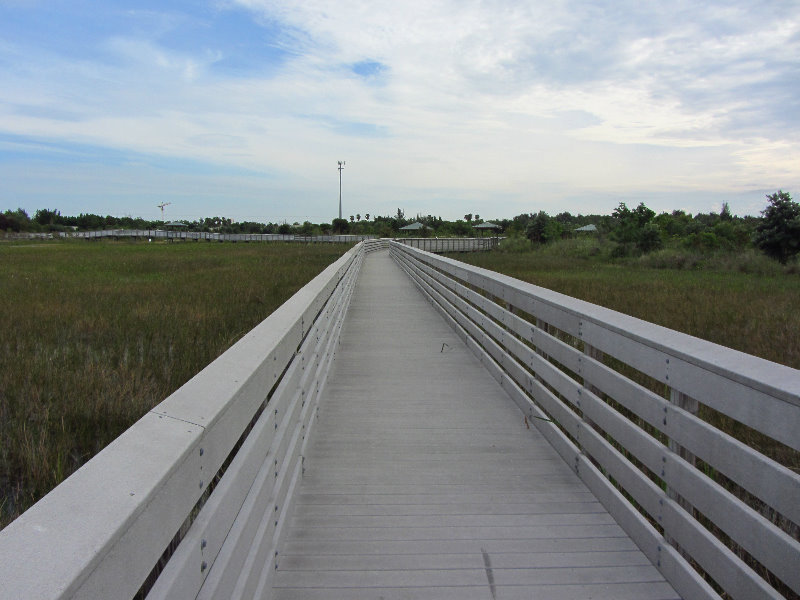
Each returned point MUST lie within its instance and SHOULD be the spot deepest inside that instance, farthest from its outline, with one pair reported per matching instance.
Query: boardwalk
(423, 480)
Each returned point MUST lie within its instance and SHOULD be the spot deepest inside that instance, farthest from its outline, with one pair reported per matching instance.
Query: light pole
(341, 166)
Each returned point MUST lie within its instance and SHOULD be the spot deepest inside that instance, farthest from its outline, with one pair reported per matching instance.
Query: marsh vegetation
(96, 334)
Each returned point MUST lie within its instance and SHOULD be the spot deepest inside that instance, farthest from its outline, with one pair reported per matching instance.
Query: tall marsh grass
(93, 335)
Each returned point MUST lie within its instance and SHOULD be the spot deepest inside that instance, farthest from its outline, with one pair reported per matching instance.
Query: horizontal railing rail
(441, 245)
(689, 445)
(376, 244)
(191, 500)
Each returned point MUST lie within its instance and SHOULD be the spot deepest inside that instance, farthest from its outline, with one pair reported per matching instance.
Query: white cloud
(463, 102)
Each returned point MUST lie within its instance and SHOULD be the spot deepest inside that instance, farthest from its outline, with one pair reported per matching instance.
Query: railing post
(689, 404)
(543, 326)
(597, 355)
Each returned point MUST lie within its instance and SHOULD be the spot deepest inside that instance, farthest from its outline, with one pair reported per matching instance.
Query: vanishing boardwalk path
(423, 481)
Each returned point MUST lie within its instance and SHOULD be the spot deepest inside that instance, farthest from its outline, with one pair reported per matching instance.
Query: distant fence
(635, 410)
(205, 479)
(12, 235)
(437, 245)
(442, 245)
(161, 234)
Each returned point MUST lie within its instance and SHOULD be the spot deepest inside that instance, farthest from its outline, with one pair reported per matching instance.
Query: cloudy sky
(242, 108)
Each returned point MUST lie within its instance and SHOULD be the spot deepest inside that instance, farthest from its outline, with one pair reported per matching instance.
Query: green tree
(542, 228)
(635, 229)
(340, 226)
(17, 220)
(44, 216)
(778, 234)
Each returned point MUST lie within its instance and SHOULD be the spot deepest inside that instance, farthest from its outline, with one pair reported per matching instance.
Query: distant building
(413, 227)
(487, 226)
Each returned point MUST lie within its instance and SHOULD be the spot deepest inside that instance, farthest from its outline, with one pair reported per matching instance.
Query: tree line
(634, 231)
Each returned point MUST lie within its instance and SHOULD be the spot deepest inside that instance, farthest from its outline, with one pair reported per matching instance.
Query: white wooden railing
(175, 234)
(633, 408)
(429, 244)
(440, 245)
(203, 480)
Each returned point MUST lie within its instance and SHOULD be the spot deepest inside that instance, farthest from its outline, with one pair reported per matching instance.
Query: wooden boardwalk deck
(423, 481)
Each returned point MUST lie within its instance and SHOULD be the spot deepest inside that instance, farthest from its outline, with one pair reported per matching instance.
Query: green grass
(95, 334)
(741, 301)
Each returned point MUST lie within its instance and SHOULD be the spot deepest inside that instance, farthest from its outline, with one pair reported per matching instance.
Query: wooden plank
(456, 508)
(626, 591)
(393, 548)
(471, 560)
(511, 499)
(477, 577)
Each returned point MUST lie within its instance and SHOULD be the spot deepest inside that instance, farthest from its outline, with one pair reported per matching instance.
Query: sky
(243, 108)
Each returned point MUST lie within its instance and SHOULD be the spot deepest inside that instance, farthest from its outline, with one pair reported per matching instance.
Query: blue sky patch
(368, 68)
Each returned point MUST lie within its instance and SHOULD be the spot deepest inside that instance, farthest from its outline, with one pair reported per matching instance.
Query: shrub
(778, 235)
(515, 244)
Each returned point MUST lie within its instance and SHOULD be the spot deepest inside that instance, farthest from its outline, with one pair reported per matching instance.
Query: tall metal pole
(341, 166)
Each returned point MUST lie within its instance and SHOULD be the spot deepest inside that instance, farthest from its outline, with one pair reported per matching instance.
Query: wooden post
(597, 355)
(691, 405)
(543, 326)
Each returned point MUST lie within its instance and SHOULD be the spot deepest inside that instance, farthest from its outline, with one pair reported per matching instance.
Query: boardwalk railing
(161, 234)
(635, 410)
(191, 500)
(440, 245)
(430, 244)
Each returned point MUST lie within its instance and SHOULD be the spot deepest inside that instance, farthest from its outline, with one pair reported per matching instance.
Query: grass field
(95, 334)
(756, 311)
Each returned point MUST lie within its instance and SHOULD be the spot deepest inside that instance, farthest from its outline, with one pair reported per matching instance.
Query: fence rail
(203, 480)
(635, 409)
(441, 245)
